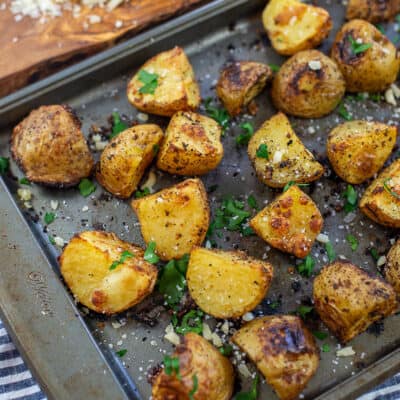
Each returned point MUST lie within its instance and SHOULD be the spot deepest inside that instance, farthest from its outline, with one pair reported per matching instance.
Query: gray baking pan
(72, 351)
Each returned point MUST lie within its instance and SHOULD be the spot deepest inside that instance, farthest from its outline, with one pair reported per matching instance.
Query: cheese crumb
(24, 194)
(54, 204)
(171, 336)
(59, 241)
(207, 334)
(322, 238)
(315, 65)
(345, 352)
(248, 317)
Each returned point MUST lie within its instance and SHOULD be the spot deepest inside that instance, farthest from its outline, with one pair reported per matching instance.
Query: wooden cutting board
(32, 49)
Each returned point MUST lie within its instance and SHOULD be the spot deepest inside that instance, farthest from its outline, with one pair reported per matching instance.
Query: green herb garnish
(142, 193)
(51, 240)
(195, 387)
(226, 350)
(252, 202)
(374, 253)
(342, 110)
(217, 114)
(4, 165)
(252, 395)
(49, 218)
(380, 28)
(389, 190)
(86, 187)
(171, 365)
(244, 138)
(320, 335)
(292, 183)
(24, 181)
(352, 240)
(121, 353)
(117, 126)
(376, 97)
(262, 151)
(191, 322)
(306, 267)
(326, 348)
(274, 67)
(156, 148)
(351, 196)
(330, 251)
(150, 82)
(124, 255)
(150, 255)
(303, 311)
(358, 48)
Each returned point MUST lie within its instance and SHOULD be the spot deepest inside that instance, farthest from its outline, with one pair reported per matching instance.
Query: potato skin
(300, 90)
(175, 218)
(50, 148)
(125, 159)
(198, 358)
(348, 299)
(372, 70)
(191, 145)
(284, 351)
(85, 266)
(177, 88)
(240, 82)
(357, 150)
(293, 26)
(227, 284)
(392, 267)
(372, 10)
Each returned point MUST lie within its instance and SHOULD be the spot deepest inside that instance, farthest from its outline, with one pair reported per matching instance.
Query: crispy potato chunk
(357, 150)
(105, 273)
(308, 85)
(348, 299)
(392, 267)
(197, 358)
(176, 218)
(373, 10)
(368, 60)
(50, 148)
(125, 159)
(288, 159)
(240, 82)
(293, 26)
(283, 350)
(227, 284)
(191, 146)
(176, 88)
(290, 223)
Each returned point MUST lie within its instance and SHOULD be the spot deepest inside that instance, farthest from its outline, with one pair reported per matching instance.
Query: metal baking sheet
(72, 351)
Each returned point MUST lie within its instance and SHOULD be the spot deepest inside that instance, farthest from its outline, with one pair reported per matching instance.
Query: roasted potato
(368, 60)
(290, 223)
(357, 150)
(165, 84)
(197, 358)
(191, 146)
(288, 159)
(283, 350)
(392, 267)
(175, 218)
(373, 10)
(240, 82)
(105, 273)
(348, 299)
(308, 85)
(381, 200)
(227, 284)
(50, 148)
(126, 157)
(293, 26)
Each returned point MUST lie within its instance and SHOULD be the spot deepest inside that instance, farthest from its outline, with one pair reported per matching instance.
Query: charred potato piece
(191, 146)
(368, 60)
(227, 284)
(170, 87)
(284, 351)
(308, 85)
(373, 10)
(348, 299)
(290, 223)
(126, 157)
(293, 26)
(288, 159)
(392, 267)
(197, 358)
(106, 274)
(240, 82)
(50, 148)
(176, 218)
(357, 150)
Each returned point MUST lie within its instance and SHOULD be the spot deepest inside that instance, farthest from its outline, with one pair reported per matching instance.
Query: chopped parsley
(320, 335)
(218, 114)
(376, 97)
(156, 148)
(150, 82)
(292, 183)
(24, 181)
(274, 67)
(4, 165)
(353, 242)
(226, 350)
(192, 321)
(252, 202)
(124, 255)
(244, 138)
(171, 365)
(51, 240)
(121, 353)
(262, 151)
(86, 187)
(117, 125)
(326, 348)
(358, 48)
(374, 253)
(306, 267)
(49, 218)
(330, 251)
(303, 311)
(142, 193)
(150, 255)
(194, 388)
(342, 110)
(380, 28)
(351, 196)
(252, 395)
(389, 190)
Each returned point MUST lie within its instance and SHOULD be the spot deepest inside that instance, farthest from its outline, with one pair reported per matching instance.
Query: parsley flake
(374, 253)
(326, 348)
(320, 335)
(292, 183)
(24, 181)
(330, 251)
(121, 353)
(86, 187)
(274, 67)
(342, 110)
(303, 311)
(117, 125)
(244, 138)
(194, 388)
(217, 114)
(252, 395)
(192, 321)
(124, 255)
(389, 190)
(156, 148)
(142, 193)
(306, 267)
(171, 366)
(352, 240)
(4, 165)
(150, 255)
(150, 82)
(262, 151)
(351, 196)
(49, 218)
(226, 350)
(358, 48)
(252, 202)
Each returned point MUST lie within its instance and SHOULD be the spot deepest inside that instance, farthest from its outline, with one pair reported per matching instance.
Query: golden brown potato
(373, 10)
(175, 218)
(348, 299)
(125, 159)
(197, 358)
(170, 87)
(105, 273)
(288, 159)
(392, 267)
(293, 26)
(50, 148)
(357, 150)
(283, 350)
(240, 82)
(308, 85)
(227, 284)
(191, 145)
(368, 60)
(381, 200)
(290, 223)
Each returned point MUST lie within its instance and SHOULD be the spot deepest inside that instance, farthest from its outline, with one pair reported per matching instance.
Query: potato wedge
(191, 146)
(196, 358)
(284, 351)
(293, 26)
(357, 150)
(227, 284)
(165, 84)
(392, 267)
(373, 10)
(290, 223)
(348, 299)
(288, 160)
(176, 218)
(106, 274)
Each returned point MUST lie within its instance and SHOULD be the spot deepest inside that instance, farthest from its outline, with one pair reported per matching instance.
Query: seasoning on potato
(373, 10)
(392, 267)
